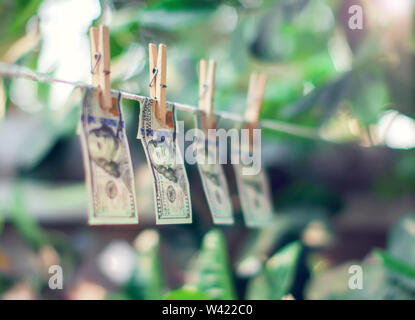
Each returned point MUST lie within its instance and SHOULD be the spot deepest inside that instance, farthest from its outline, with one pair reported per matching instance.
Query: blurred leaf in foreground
(381, 274)
(276, 279)
(12, 24)
(117, 296)
(386, 274)
(329, 284)
(146, 281)
(1, 222)
(395, 265)
(211, 272)
(185, 294)
(401, 240)
(400, 254)
(24, 222)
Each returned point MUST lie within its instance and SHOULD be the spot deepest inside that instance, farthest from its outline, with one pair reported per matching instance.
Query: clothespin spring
(155, 71)
(97, 57)
(100, 64)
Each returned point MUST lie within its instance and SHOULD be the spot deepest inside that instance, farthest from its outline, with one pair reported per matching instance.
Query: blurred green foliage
(386, 274)
(146, 281)
(1, 222)
(298, 45)
(25, 223)
(276, 279)
(395, 265)
(210, 275)
(15, 15)
(211, 272)
(185, 294)
(288, 40)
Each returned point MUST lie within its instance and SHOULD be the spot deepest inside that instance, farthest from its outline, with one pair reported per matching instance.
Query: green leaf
(185, 294)
(401, 246)
(6, 281)
(211, 272)
(146, 281)
(277, 277)
(369, 95)
(401, 239)
(15, 15)
(318, 105)
(1, 221)
(385, 278)
(117, 296)
(172, 5)
(24, 14)
(395, 265)
(24, 222)
(332, 283)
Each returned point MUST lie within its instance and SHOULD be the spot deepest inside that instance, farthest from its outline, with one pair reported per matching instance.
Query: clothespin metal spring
(100, 64)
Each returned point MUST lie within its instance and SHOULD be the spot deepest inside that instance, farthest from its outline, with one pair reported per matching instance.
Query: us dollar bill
(254, 193)
(107, 162)
(213, 178)
(171, 186)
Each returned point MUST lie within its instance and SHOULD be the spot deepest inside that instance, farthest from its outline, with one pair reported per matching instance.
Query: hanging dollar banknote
(253, 191)
(213, 178)
(107, 162)
(171, 186)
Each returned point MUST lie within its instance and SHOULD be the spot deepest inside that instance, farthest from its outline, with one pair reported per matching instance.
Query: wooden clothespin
(100, 64)
(158, 73)
(256, 91)
(207, 89)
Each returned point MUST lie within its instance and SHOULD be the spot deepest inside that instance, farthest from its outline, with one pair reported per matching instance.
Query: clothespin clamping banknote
(108, 168)
(157, 131)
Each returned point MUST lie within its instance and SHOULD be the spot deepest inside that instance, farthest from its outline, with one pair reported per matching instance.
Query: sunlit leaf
(211, 272)
(396, 265)
(401, 239)
(369, 95)
(146, 281)
(277, 277)
(400, 254)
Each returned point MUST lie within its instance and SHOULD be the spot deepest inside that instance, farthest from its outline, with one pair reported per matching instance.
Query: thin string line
(12, 70)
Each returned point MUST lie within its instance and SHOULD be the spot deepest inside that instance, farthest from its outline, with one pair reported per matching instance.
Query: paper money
(107, 162)
(213, 178)
(171, 186)
(254, 195)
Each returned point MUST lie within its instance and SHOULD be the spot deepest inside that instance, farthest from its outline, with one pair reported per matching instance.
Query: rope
(12, 70)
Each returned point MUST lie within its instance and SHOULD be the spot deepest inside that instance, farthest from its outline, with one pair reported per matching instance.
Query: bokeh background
(343, 187)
